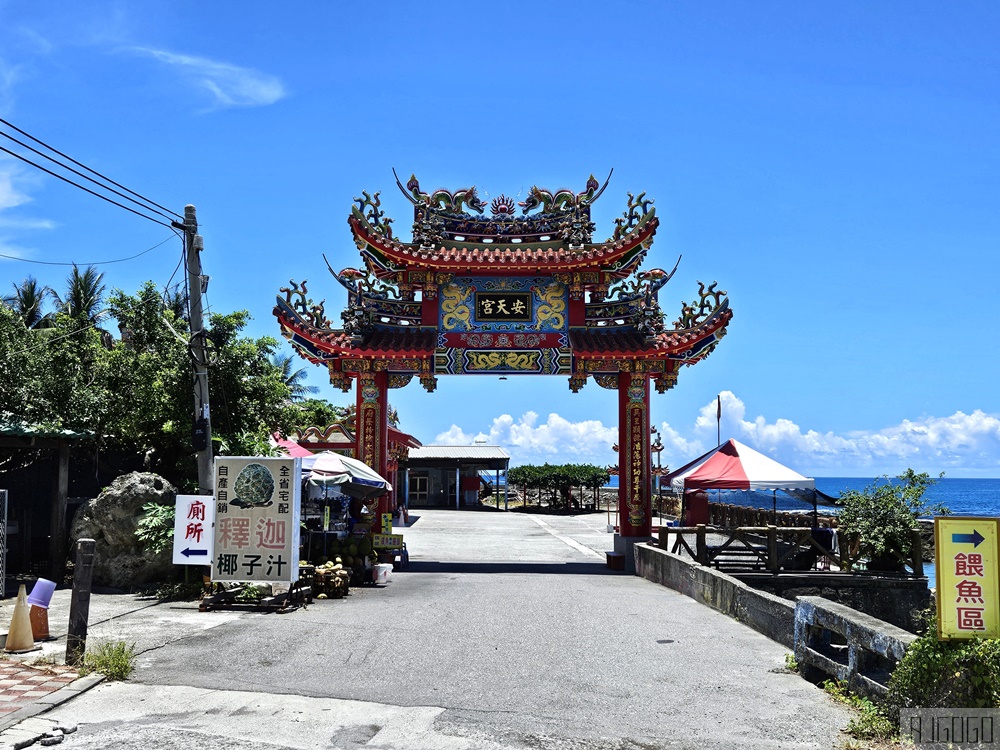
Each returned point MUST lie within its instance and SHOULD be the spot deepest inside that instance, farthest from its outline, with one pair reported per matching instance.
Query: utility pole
(202, 437)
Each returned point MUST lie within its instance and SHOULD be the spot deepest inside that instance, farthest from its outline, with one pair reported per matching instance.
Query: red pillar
(372, 427)
(634, 507)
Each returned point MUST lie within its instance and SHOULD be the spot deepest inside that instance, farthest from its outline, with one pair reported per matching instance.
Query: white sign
(257, 510)
(193, 519)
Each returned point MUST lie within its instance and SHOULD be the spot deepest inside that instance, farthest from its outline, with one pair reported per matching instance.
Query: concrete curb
(22, 727)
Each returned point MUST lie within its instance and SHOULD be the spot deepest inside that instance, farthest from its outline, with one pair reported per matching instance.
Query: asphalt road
(506, 631)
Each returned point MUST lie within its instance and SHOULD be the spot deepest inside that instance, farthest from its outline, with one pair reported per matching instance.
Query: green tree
(294, 379)
(28, 301)
(250, 399)
(71, 382)
(883, 514)
(150, 375)
(84, 298)
(559, 480)
(84, 295)
(51, 377)
(135, 394)
(311, 412)
(18, 366)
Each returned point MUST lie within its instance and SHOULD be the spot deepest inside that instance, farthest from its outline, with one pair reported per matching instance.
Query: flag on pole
(718, 418)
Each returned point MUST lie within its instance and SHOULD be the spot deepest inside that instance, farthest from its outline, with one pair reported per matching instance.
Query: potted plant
(883, 515)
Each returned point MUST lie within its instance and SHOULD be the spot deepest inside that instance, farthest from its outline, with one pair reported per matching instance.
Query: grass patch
(116, 661)
(871, 722)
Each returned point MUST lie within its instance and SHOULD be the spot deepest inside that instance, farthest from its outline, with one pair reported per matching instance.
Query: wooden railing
(773, 549)
(727, 516)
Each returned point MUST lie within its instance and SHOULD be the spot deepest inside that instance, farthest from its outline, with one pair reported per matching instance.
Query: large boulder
(121, 561)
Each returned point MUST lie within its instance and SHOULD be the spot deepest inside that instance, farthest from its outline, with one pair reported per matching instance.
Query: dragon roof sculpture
(588, 303)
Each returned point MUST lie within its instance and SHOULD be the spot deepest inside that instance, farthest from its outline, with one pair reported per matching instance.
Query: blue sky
(833, 166)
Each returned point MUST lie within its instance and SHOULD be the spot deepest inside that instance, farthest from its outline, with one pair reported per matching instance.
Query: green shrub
(883, 514)
(116, 661)
(946, 674)
(156, 526)
(177, 591)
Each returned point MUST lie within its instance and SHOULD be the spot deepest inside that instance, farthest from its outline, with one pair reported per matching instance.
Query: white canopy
(734, 466)
(354, 477)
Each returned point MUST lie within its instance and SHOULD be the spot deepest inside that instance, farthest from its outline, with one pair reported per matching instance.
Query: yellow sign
(387, 541)
(967, 556)
(387, 523)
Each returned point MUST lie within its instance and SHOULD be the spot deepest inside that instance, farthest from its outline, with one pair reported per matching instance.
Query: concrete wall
(870, 651)
(764, 612)
(896, 600)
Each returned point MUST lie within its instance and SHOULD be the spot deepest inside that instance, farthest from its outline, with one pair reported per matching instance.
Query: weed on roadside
(116, 661)
(178, 592)
(871, 722)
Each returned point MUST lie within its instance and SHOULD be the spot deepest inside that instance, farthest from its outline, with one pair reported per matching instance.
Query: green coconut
(253, 487)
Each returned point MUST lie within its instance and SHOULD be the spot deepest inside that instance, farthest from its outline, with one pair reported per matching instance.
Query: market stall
(340, 500)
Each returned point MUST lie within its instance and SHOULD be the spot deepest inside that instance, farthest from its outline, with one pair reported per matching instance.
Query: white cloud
(9, 222)
(10, 195)
(960, 441)
(8, 77)
(9, 251)
(33, 42)
(557, 440)
(955, 444)
(230, 85)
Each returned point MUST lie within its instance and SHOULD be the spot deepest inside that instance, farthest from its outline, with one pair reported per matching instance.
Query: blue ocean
(963, 497)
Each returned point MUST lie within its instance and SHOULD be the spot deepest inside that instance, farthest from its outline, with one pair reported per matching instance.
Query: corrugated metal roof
(473, 452)
(22, 429)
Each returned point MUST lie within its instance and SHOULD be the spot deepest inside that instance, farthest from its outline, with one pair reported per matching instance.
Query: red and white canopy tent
(735, 466)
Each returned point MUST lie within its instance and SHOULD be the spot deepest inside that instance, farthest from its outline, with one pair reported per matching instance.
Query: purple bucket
(41, 593)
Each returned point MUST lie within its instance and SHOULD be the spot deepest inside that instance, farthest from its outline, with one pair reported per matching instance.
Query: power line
(159, 299)
(96, 263)
(183, 255)
(81, 174)
(85, 189)
(84, 166)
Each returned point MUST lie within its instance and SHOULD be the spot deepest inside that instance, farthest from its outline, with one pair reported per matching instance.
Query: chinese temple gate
(507, 289)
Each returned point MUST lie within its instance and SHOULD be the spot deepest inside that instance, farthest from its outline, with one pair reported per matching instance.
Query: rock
(122, 561)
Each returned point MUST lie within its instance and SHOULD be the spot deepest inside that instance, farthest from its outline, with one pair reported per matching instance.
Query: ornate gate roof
(503, 288)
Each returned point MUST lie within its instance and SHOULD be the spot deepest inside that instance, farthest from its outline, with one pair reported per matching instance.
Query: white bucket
(382, 573)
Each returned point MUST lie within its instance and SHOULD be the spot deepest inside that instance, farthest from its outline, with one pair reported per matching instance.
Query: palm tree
(175, 301)
(84, 295)
(293, 379)
(28, 300)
